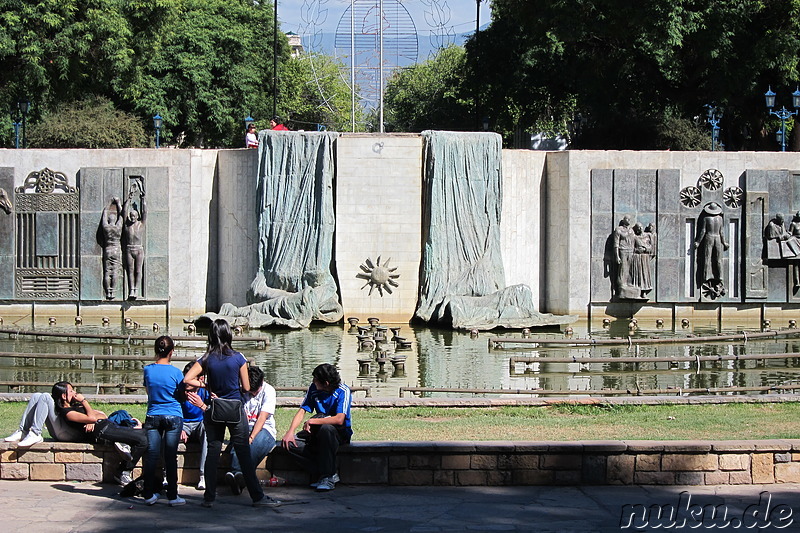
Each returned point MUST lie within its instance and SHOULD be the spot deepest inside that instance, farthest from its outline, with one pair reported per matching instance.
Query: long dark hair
(220, 338)
(58, 392)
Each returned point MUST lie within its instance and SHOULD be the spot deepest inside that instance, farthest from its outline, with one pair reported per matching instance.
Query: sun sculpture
(378, 276)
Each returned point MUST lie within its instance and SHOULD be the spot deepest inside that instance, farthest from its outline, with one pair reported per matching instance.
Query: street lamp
(783, 113)
(248, 120)
(16, 120)
(714, 118)
(157, 121)
(23, 106)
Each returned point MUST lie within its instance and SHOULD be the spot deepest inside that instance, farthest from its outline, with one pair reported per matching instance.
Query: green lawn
(560, 422)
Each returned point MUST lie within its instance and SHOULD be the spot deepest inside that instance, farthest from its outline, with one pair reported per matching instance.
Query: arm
(244, 378)
(288, 439)
(262, 417)
(191, 377)
(337, 419)
(143, 210)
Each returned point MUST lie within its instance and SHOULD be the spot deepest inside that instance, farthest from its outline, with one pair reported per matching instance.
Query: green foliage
(90, 123)
(677, 133)
(431, 95)
(629, 66)
(313, 91)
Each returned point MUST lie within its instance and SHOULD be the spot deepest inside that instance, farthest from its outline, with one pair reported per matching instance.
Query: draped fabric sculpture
(294, 284)
(462, 282)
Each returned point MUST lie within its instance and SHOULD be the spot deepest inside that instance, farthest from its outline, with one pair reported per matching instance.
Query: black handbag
(225, 411)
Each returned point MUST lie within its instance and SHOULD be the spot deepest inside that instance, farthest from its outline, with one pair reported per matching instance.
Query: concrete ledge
(464, 463)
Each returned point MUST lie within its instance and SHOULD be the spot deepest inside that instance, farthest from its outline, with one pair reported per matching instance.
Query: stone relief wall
(654, 242)
(67, 242)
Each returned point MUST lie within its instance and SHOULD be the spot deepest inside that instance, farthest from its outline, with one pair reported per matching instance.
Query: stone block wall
(465, 463)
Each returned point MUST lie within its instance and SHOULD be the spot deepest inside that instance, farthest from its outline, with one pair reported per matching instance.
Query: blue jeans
(259, 449)
(167, 430)
(40, 410)
(240, 437)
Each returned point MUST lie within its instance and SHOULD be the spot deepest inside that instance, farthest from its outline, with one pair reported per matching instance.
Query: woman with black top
(90, 425)
(226, 377)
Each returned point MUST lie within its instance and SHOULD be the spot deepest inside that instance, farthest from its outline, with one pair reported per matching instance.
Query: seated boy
(193, 428)
(259, 406)
(315, 447)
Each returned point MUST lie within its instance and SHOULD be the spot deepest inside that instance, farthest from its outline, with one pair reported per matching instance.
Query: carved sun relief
(378, 276)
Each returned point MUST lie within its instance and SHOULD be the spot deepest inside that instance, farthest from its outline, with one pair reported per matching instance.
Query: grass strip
(562, 422)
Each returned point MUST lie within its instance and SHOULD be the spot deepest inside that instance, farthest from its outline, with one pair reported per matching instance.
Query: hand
(80, 397)
(184, 437)
(288, 441)
(194, 399)
(251, 439)
(138, 423)
(307, 425)
(88, 428)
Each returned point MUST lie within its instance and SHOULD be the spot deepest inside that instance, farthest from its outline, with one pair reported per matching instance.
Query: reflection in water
(436, 359)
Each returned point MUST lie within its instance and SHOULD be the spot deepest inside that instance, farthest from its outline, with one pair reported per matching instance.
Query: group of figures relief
(780, 243)
(630, 260)
(122, 226)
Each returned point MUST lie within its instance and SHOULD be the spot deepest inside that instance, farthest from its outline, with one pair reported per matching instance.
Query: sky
(430, 18)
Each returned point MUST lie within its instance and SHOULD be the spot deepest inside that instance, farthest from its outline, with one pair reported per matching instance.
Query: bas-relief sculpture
(630, 262)
(111, 224)
(783, 244)
(710, 245)
(133, 234)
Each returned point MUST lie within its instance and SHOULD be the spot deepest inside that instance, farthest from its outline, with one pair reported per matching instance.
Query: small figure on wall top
(111, 225)
(134, 233)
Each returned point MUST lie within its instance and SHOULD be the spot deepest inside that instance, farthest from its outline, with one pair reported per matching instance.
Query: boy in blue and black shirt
(316, 445)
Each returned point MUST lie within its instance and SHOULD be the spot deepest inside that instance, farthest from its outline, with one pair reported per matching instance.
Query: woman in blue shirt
(164, 422)
(226, 377)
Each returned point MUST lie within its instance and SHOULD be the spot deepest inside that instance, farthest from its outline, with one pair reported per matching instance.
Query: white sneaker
(30, 439)
(334, 478)
(201, 485)
(14, 437)
(151, 500)
(326, 484)
(176, 502)
(124, 450)
(124, 478)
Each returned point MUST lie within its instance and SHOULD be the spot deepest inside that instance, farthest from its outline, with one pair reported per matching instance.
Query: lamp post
(157, 122)
(16, 120)
(24, 105)
(714, 117)
(783, 113)
(247, 121)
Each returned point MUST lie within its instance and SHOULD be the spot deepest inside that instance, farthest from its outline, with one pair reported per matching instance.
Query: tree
(430, 95)
(90, 123)
(626, 66)
(313, 91)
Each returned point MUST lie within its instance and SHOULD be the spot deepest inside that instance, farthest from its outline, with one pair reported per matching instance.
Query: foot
(14, 437)
(124, 450)
(266, 501)
(207, 504)
(151, 500)
(124, 478)
(177, 501)
(201, 485)
(30, 439)
(334, 478)
(326, 484)
(230, 479)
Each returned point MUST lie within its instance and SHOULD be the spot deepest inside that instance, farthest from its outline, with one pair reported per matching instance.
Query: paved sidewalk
(46, 507)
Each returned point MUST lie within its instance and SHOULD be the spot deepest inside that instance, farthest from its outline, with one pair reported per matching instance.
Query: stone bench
(464, 463)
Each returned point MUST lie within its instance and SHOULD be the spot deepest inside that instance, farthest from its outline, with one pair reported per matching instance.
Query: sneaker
(334, 478)
(151, 500)
(124, 478)
(207, 504)
(30, 439)
(177, 501)
(201, 485)
(14, 437)
(230, 479)
(124, 450)
(266, 501)
(326, 484)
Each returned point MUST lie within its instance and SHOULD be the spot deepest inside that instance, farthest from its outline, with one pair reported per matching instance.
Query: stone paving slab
(33, 507)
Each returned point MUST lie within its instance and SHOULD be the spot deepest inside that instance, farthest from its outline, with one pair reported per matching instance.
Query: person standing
(134, 233)
(164, 422)
(226, 378)
(250, 138)
(316, 445)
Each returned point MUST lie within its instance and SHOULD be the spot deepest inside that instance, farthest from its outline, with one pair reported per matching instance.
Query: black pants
(107, 431)
(316, 451)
